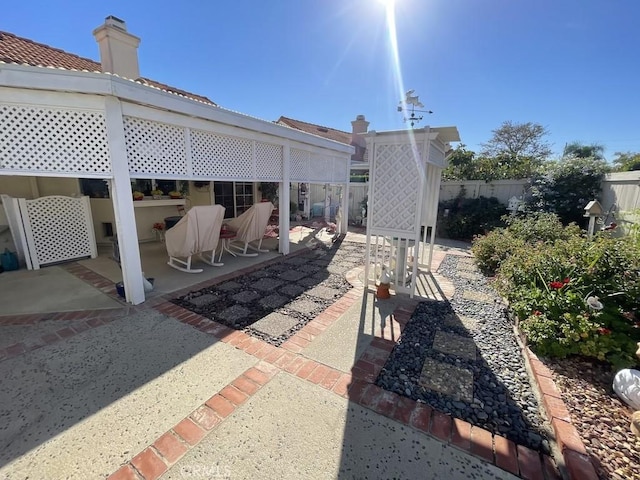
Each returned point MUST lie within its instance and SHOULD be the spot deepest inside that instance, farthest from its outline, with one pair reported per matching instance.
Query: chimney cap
(114, 21)
(359, 117)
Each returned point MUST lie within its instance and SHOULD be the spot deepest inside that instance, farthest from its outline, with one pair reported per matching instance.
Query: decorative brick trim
(83, 323)
(576, 460)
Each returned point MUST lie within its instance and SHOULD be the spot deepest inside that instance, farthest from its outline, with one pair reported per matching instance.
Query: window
(146, 185)
(235, 197)
(94, 188)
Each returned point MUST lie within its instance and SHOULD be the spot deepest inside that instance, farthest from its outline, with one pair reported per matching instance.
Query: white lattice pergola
(60, 123)
(405, 174)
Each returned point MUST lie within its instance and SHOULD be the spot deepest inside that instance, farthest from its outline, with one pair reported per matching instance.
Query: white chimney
(118, 48)
(359, 126)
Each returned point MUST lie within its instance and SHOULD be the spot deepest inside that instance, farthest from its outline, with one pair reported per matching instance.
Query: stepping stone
(312, 281)
(292, 275)
(450, 380)
(292, 290)
(469, 275)
(266, 284)
(275, 324)
(234, 313)
(308, 268)
(454, 320)
(323, 292)
(467, 265)
(455, 345)
(203, 300)
(273, 301)
(477, 296)
(226, 286)
(305, 306)
(245, 296)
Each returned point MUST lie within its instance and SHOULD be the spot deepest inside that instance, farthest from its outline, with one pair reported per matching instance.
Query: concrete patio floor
(156, 391)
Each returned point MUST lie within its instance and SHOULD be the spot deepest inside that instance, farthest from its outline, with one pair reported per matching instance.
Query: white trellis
(405, 173)
(59, 123)
(56, 229)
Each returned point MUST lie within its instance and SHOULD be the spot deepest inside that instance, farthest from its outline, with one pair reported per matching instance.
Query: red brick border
(577, 462)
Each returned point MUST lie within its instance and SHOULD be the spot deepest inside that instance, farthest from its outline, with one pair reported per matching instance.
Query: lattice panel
(220, 156)
(43, 139)
(61, 228)
(154, 147)
(299, 169)
(268, 161)
(395, 191)
(340, 172)
(321, 168)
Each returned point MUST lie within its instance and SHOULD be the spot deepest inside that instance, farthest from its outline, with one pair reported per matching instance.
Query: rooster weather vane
(414, 101)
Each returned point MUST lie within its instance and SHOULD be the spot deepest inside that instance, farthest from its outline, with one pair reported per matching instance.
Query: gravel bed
(462, 358)
(275, 302)
(601, 418)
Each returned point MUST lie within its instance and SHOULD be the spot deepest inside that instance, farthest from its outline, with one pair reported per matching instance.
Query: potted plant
(138, 195)
(157, 194)
(175, 194)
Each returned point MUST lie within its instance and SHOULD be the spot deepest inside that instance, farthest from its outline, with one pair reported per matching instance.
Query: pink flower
(604, 331)
(537, 312)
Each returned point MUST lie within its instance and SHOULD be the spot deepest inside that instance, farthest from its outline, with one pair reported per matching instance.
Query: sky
(572, 66)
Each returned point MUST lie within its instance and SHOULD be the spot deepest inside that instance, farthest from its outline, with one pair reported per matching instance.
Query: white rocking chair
(250, 227)
(197, 233)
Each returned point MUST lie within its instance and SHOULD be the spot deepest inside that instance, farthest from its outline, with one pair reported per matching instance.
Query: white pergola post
(327, 203)
(344, 209)
(123, 204)
(284, 200)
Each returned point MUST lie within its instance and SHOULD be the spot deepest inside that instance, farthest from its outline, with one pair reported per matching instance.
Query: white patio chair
(250, 227)
(197, 233)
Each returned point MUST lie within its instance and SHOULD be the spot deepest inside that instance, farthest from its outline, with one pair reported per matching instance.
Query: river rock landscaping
(462, 358)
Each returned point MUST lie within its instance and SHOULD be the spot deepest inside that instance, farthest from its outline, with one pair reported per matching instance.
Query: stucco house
(74, 127)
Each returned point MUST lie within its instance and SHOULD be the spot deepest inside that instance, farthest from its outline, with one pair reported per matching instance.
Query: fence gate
(57, 229)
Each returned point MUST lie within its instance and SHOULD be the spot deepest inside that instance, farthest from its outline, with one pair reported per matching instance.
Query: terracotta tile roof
(14, 49)
(326, 132)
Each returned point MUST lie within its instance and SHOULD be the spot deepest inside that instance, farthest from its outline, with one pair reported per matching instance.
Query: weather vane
(411, 99)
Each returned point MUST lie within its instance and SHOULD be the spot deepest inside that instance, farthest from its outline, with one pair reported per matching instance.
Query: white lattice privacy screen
(396, 187)
(58, 229)
(154, 147)
(221, 156)
(47, 139)
(406, 167)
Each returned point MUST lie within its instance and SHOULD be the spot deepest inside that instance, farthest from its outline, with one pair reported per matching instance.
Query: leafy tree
(464, 164)
(521, 146)
(580, 150)
(566, 187)
(627, 161)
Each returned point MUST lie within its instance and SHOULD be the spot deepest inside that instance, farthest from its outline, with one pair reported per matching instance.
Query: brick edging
(576, 458)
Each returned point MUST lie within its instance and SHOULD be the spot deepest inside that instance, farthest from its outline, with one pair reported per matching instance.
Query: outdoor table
(226, 236)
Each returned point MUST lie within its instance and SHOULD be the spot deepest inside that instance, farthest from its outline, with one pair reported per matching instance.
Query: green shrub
(493, 248)
(553, 286)
(468, 217)
(566, 187)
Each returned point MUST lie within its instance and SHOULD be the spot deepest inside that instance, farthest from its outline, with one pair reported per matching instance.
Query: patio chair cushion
(251, 225)
(198, 231)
